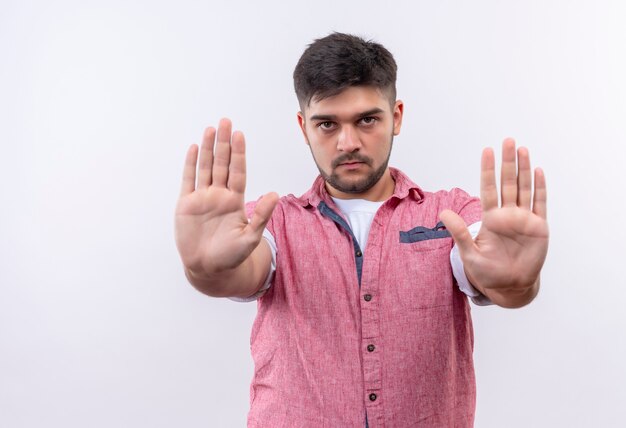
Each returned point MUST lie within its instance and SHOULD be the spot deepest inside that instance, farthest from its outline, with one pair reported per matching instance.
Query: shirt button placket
(370, 332)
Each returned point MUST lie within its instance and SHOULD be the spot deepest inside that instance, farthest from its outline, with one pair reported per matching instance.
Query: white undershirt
(360, 213)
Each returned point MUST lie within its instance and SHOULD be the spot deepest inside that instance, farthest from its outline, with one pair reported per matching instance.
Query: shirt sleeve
(459, 272)
(270, 276)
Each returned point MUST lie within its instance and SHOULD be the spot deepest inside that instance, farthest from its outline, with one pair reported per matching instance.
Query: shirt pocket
(422, 238)
(427, 280)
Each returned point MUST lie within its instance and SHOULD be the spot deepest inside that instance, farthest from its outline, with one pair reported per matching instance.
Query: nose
(348, 140)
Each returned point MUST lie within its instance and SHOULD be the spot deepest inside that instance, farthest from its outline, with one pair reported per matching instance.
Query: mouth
(351, 165)
(352, 161)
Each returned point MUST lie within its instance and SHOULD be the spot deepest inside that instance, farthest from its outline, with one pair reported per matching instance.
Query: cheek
(322, 145)
(322, 156)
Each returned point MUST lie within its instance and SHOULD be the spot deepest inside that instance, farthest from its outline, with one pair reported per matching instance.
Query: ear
(398, 111)
(302, 125)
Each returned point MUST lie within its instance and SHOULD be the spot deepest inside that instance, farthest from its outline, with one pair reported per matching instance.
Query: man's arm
(241, 281)
(221, 249)
(504, 261)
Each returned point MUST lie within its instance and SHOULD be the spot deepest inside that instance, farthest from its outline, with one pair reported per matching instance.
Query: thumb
(457, 228)
(262, 212)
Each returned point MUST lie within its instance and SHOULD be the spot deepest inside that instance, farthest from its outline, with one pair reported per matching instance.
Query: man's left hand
(504, 260)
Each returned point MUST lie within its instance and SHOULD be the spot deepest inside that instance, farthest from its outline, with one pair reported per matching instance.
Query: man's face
(350, 136)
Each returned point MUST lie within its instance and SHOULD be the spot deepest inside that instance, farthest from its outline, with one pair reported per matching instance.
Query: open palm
(508, 253)
(213, 233)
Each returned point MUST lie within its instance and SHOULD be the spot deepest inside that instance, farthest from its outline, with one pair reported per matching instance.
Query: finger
(488, 188)
(540, 198)
(262, 212)
(457, 228)
(189, 171)
(508, 176)
(237, 169)
(524, 179)
(205, 165)
(221, 159)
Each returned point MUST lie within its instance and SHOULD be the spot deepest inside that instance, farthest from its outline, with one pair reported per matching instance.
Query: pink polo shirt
(346, 334)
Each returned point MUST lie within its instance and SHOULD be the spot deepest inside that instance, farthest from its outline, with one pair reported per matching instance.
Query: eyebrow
(324, 117)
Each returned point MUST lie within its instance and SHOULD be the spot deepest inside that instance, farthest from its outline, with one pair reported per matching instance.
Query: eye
(326, 126)
(368, 120)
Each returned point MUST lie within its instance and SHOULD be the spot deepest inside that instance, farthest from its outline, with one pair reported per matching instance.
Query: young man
(363, 316)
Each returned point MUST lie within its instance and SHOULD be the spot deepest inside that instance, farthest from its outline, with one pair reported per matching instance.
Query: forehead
(349, 102)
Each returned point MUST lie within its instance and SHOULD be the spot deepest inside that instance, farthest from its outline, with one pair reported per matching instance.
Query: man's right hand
(213, 234)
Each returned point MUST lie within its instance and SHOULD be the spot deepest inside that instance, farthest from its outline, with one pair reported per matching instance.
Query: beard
(351, 186)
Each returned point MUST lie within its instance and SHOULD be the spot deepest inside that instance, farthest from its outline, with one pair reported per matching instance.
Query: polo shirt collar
(404, 188)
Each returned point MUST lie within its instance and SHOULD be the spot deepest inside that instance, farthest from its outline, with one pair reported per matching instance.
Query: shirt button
(371, 348)
(373, 397)
(367, 297)
(359, 253)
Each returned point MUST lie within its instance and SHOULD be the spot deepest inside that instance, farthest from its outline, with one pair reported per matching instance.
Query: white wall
(99, 101)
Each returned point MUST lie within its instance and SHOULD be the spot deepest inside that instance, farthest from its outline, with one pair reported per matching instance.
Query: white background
(99, 101)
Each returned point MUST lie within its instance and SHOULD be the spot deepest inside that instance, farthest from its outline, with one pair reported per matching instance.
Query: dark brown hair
(335, 62)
